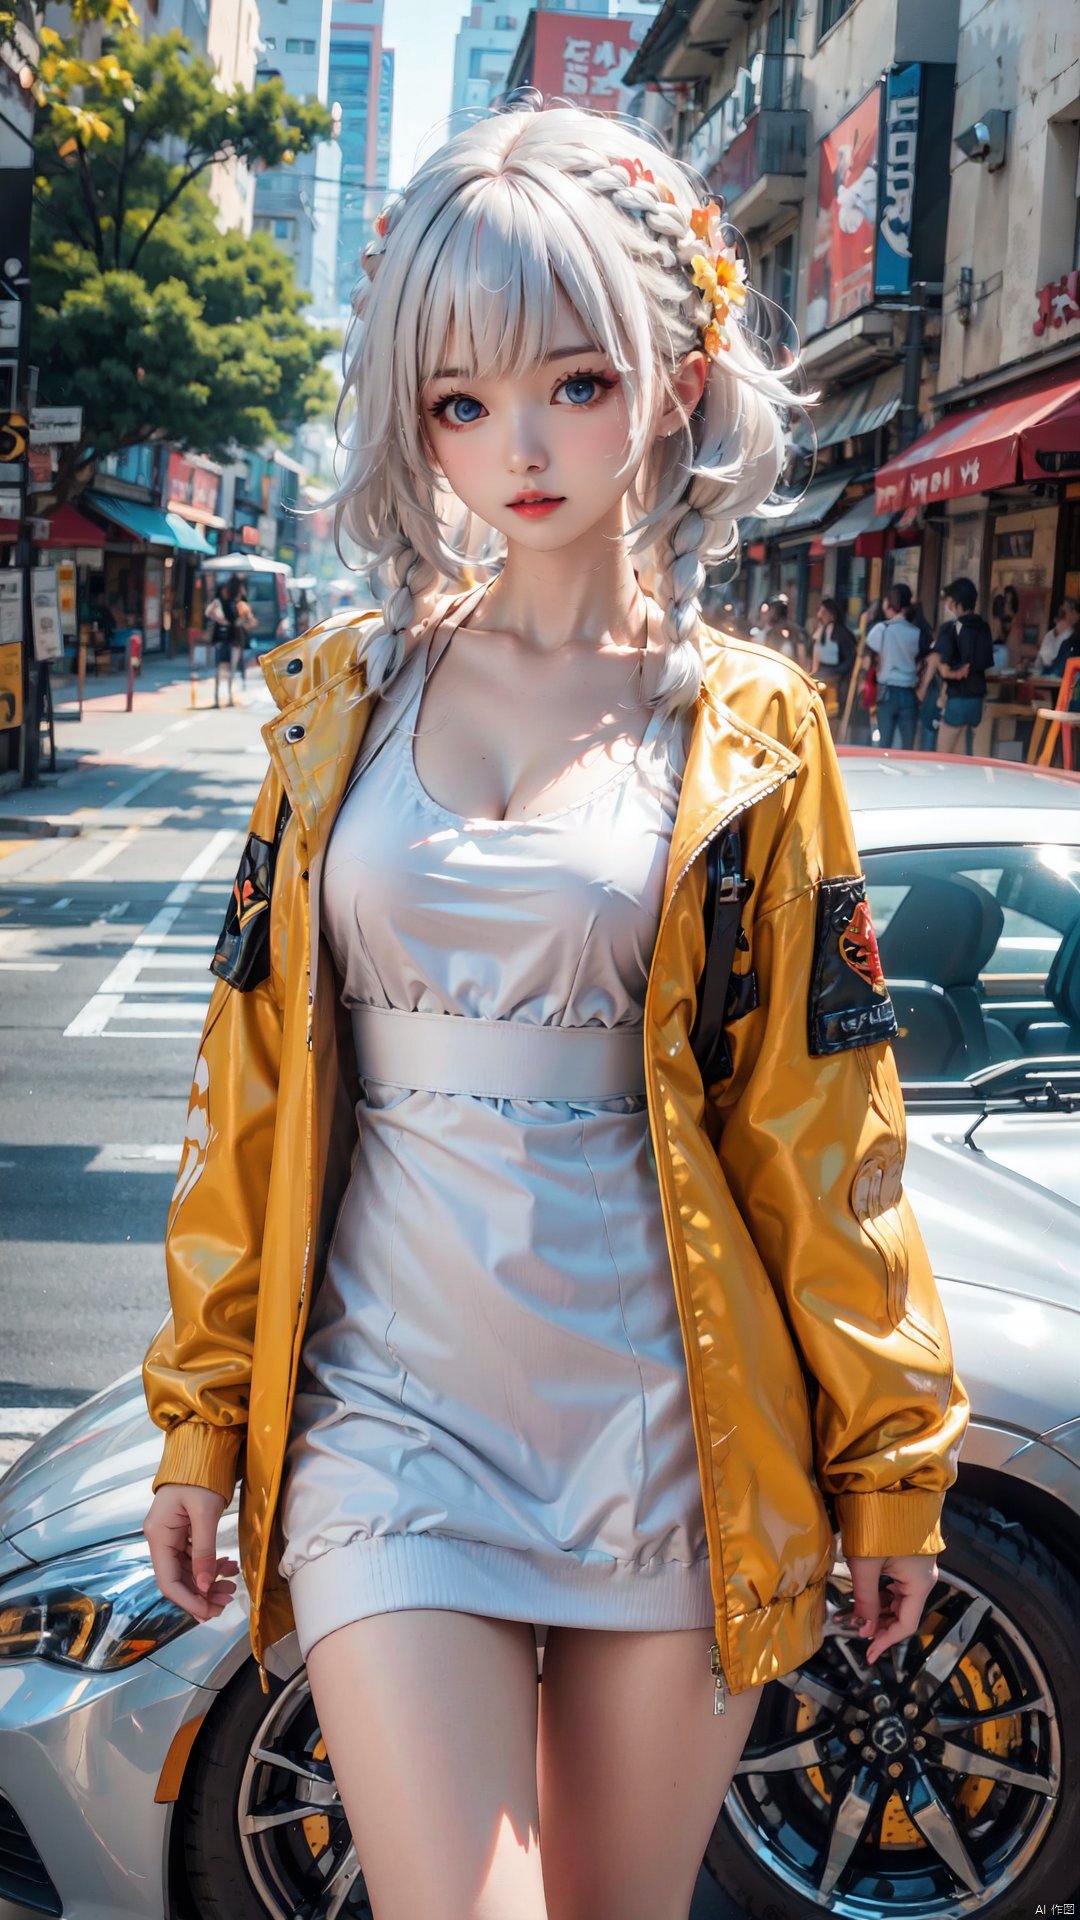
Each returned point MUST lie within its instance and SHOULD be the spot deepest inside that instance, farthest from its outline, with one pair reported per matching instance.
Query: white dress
(492, 1413)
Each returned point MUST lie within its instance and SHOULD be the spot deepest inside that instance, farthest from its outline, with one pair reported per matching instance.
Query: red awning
(67, 528)
(1030, 432)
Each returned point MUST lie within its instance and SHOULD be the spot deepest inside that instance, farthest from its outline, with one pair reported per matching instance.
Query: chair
(1052, 721)
(936, 945)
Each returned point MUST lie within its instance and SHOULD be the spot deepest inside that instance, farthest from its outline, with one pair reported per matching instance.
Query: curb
(25, 826)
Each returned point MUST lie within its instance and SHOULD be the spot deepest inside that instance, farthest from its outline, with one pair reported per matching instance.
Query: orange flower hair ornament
(719, 274)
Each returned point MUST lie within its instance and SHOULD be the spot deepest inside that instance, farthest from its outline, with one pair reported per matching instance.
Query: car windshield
(980, 947)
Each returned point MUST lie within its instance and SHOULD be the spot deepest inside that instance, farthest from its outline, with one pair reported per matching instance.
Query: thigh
(633, 1769)
(429, 1718)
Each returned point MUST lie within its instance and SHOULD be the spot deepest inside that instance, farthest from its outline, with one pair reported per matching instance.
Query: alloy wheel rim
(926, 1781)
(294, 1836)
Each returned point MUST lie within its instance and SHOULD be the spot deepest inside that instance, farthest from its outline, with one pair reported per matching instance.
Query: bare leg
(429, 1718)
(949, 738)
(633, 1770)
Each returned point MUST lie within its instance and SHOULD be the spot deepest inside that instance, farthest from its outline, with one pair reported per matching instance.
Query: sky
(422, 34)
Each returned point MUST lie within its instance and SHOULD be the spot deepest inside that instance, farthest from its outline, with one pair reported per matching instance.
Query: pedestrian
(1062, 642)
(833, 655)
(962, 655)
(222, 633)
(895, 640)
(621, 1312)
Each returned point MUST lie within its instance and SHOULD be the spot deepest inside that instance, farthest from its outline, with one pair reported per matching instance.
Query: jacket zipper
(715, 1664)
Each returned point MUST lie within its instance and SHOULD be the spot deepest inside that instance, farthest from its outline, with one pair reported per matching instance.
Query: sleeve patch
(242, 956)
(849, 1001)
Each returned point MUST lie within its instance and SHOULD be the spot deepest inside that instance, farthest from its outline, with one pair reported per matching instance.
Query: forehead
(469, 353)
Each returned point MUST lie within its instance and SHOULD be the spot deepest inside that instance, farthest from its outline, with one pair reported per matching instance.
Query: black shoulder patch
(849, 1001)
(242, 956)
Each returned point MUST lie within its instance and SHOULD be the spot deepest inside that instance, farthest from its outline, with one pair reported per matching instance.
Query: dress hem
(387, 1573)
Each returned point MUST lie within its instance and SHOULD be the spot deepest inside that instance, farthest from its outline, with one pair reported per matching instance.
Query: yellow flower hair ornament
(719, 274)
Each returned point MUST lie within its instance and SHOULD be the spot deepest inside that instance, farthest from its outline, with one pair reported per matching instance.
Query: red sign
(582, 57)
(1058, 302)
(841, 273)
(187, 484)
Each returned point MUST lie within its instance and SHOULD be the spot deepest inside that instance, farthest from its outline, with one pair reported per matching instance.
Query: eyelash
(605, 381)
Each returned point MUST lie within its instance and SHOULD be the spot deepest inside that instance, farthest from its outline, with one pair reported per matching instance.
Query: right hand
(181, 1528)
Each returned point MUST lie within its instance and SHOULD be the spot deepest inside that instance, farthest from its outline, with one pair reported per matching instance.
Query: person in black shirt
(963, 651)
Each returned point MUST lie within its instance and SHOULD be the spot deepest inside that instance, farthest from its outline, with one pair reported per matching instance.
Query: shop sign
(1058, 303)
(45, 614)
(584, 60)
(840, 279)
(188, 484)
(66, 592)
(9, 325)
(40, 463)
(10, 685)
(10, 503)
(11, 607)
(55, 426)
(892, 273)
(14, 437)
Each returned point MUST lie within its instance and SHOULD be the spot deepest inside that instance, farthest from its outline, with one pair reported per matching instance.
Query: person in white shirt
(895, 640)
(1066, 627)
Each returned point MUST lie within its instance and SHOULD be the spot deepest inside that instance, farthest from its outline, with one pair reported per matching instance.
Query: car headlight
(98, 1610)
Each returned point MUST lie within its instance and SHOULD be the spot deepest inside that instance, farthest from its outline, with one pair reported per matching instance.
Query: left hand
(889, 1617)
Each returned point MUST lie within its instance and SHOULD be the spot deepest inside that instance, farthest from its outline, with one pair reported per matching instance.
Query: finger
(866, 1591)
(899, 1623)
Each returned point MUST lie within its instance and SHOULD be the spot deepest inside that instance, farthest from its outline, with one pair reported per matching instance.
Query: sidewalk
(107, 734)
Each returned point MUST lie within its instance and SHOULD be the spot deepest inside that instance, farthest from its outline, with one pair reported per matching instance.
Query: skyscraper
(361, 82)
(299, 204)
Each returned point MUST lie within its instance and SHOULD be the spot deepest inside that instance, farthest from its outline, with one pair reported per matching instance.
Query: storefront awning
(1029, 432)
(189, 539)
(856, 410)
(809, 511)
(67, 528)
(863, 517)
(141, 522)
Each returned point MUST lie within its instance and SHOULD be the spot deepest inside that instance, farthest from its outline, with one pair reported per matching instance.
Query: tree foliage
(144, 313)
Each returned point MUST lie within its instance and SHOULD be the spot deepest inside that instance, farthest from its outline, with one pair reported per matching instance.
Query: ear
(689, 384)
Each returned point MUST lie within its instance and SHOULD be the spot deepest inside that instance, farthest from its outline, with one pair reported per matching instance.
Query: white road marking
(107, 853)
(109, 1003)
(152, 740)
(30, 966)
(132, 793)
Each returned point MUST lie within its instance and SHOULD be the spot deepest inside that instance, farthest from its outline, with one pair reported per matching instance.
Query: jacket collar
(319, 688)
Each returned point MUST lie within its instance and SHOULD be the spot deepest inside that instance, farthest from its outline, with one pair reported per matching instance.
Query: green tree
(159, 325)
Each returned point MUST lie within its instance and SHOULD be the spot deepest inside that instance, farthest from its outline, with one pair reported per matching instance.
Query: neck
(581, 594)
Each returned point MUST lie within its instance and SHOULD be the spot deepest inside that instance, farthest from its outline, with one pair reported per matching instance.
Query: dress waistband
(499, 1059)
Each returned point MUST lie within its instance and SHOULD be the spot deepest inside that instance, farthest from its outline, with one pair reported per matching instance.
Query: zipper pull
(263, 1681)
(717, 1672)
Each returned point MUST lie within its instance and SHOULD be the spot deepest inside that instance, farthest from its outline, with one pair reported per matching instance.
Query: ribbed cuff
(874, 1525)
(197, 1454)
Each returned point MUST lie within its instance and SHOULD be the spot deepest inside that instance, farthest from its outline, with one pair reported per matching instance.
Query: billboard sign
(892, 273)
(841, 272)
(582, 57)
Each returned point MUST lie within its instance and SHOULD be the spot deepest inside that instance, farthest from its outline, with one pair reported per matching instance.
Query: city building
(299, 204)
(995, 479)
(361, 82)
(227, 31)
(490, 35)
(825, 128)
(584, 60)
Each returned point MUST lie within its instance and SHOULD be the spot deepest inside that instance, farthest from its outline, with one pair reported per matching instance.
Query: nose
(527, 453)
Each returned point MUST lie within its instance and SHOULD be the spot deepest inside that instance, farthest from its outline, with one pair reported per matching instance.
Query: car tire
(258, 1757)
(1029, 1593)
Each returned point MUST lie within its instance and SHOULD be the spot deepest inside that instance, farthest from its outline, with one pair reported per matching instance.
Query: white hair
(517, 209)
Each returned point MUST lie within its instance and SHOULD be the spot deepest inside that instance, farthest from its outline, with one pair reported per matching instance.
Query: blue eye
(459, 400)
(579, 380)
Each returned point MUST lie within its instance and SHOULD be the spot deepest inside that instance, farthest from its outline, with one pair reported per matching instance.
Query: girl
(229, 621)
(618, 1322)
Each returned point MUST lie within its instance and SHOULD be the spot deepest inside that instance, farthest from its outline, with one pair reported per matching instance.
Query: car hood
(88, 1479)
(1001, 1216)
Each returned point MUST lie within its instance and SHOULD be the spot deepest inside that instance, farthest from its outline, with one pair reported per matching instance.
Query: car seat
(933, 950)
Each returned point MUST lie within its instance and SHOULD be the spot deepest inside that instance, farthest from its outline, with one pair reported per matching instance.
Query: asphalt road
(106, 931)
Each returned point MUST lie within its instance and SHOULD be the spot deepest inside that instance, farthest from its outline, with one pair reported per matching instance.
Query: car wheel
(263, 1832)
(939, 1782)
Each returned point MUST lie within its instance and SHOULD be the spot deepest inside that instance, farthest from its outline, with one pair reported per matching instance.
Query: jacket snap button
(295, 732)
(294, 666)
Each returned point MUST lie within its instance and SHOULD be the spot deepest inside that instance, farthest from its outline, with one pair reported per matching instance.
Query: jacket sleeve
(812, 1140)
(197, 1372)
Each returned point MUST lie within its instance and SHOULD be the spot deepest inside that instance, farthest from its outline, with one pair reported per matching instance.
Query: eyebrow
(559, 353)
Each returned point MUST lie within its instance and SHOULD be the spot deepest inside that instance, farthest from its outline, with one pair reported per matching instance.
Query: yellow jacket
(818, 1359)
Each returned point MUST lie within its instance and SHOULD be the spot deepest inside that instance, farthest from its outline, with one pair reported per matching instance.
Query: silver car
(144, 1773)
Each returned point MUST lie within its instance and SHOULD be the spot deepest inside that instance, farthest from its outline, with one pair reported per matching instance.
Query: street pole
(18, 60)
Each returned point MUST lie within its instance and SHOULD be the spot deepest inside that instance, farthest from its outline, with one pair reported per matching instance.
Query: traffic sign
(55, 426)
